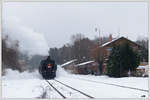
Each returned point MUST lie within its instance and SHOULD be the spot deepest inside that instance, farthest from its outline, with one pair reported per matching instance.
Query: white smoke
(30, 41)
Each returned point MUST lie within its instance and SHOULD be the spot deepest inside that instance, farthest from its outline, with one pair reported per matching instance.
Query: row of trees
(80, 48)
(11, 57)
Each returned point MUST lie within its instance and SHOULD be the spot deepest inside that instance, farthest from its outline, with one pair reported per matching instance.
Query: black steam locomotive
(48, 68)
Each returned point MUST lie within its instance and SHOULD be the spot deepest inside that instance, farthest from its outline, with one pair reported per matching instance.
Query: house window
(108, 50)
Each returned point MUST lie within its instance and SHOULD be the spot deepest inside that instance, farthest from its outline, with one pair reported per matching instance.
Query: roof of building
(116, 39)
(84, 63)
(69, 62)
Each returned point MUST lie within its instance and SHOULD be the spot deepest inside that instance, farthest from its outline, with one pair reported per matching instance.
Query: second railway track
(113, 84)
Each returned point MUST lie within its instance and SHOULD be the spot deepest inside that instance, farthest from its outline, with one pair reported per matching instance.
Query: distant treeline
(79, 48)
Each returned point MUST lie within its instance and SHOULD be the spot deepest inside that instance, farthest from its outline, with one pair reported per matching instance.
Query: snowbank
(21, 85)
(62, 73)
(16, 75)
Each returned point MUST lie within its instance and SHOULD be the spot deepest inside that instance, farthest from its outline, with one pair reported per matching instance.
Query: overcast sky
(58, 21)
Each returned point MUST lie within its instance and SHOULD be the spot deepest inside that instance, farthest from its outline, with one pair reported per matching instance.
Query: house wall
(69, 67)
(91, 68)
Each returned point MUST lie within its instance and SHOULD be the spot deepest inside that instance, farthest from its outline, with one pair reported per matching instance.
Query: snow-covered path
(31, 85)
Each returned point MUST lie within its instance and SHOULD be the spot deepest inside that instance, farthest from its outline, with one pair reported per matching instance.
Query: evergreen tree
(143, 49)
(112, 63)
(121, 60)
(143, 54)
(129, 59)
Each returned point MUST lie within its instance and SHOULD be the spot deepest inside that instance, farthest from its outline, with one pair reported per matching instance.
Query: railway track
(56, 90)
(65, 85)
(113, 84)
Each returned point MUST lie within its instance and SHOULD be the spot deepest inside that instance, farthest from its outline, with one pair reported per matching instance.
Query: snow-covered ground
(21, 85)
(31, 85)
(135, 82)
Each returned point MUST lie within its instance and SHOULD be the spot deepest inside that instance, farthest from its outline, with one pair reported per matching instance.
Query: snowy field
(31, 85)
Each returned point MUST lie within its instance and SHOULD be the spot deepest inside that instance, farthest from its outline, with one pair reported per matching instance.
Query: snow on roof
(110, 42)
(84, 63)
(69, 62)
(114, 41)
(143, 67)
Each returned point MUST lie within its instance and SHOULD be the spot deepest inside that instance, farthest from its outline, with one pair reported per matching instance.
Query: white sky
(58, 21)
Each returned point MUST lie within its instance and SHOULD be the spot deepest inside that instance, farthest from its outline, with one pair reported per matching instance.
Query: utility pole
(118, 32)
(98, 30)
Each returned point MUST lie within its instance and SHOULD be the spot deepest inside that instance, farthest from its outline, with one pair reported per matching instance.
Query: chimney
(110, 37)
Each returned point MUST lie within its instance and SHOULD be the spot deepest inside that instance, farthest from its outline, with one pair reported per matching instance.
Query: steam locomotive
(47, 68)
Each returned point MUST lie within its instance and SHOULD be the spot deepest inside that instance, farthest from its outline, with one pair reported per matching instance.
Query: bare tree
(10, 55)
(98, 53)
(81, 47)
(99, 56)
